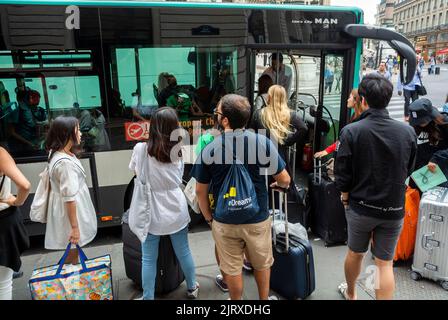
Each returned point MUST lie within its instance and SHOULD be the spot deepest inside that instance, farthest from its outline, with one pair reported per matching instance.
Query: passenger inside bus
(25, 121)
(264, 83)
(284, 72)
(180, 98)
(222, 85)
(92, 124)
(139, 111)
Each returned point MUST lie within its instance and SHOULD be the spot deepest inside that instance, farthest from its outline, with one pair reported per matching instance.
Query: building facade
(423, 22)
(385, 13)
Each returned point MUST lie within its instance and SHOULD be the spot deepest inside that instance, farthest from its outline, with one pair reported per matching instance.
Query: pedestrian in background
(13, 236)
(382, 70)
(409, 91)
(71, 216)
(375, 156)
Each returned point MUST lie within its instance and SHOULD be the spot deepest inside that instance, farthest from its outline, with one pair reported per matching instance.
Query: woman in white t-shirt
(71, 215)
(168, 205)
(13, 236)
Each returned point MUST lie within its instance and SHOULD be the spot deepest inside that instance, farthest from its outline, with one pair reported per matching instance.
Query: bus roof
(183, 4)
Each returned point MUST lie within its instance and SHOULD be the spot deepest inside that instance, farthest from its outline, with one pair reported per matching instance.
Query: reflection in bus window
(26, 119)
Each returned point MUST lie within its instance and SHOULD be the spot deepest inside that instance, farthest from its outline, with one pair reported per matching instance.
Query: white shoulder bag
(39, 207)
(139, 211)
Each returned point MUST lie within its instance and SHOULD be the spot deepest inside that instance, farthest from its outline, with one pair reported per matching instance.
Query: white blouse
(68, 183)
(169, 208)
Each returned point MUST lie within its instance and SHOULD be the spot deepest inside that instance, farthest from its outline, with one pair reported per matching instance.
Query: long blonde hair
(276, 115)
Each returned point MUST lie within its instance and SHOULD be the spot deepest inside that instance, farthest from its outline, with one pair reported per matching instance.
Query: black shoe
(17, 275)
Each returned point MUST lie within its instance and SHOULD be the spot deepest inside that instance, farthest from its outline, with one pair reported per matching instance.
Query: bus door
(301, 79)
(330, 113)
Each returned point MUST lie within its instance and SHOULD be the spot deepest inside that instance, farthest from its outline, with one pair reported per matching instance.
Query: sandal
(343, 290)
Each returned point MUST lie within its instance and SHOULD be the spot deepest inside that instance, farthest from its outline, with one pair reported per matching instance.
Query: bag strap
(59, 160)
(143, 165)
(265, 104)
(419, 77)
(82, 258)
(3, 181)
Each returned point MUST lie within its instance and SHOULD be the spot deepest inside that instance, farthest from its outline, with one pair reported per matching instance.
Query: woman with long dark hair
(13, 237)
(71, 216)
(168, 205)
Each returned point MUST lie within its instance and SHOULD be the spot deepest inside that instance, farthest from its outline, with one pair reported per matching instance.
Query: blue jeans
(150, 253)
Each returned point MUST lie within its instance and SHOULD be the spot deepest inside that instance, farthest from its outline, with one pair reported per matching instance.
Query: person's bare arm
(9, 168)
(71, 211)
(282, 180)
(202, 194)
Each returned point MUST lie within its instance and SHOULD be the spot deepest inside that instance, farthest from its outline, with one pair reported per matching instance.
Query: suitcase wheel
(444, 285)
(416, 276)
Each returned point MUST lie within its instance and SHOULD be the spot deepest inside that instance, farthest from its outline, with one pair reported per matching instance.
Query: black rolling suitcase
(292, 274)
(169, 273)
(327, 213)
(296, 193)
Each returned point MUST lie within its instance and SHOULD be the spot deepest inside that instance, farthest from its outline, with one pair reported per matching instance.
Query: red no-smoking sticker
(136, 131)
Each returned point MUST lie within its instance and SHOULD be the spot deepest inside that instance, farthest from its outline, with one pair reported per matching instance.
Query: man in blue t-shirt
(260, 157)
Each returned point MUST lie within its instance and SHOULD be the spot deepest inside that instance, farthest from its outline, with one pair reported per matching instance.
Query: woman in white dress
(71, 214)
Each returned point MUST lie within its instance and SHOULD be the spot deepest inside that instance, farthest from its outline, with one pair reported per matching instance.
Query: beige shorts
(232, 241)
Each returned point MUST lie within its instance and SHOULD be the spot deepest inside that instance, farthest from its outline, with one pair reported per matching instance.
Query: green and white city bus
(107, 62)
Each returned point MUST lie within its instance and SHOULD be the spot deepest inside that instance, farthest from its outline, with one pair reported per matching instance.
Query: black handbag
(420, 89)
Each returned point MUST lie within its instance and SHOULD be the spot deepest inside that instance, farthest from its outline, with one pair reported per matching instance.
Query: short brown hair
(236, 109)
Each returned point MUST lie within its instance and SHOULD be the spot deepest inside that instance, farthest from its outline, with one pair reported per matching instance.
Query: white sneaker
(273, 298)
(141, 298)
(194, 293)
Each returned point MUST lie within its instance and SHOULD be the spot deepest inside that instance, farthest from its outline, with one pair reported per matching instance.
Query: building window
(427, 22)
(435, 4)
(434, 21)
(446, 17)
(440, 18)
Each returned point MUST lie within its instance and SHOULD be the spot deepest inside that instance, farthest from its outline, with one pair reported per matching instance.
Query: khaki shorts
(232, 241)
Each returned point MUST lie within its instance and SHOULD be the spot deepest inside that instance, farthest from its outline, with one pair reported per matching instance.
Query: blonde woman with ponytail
(282, 124)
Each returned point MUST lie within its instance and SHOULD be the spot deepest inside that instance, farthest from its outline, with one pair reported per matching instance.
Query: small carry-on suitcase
(169, 273)
(431, 249)
(327, 212)
(296, 194)
(292, 275)
(406, 242)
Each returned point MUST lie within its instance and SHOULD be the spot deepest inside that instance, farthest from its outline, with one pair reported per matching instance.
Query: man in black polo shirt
(375, 156)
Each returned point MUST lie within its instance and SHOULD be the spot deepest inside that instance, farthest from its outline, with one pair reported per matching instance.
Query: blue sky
(369, 7)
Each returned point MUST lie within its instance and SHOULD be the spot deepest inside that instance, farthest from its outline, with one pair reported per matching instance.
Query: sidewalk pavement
(329, 271)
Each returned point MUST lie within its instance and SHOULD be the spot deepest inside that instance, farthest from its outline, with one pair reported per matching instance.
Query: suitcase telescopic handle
(318, 170)
(285, 204)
